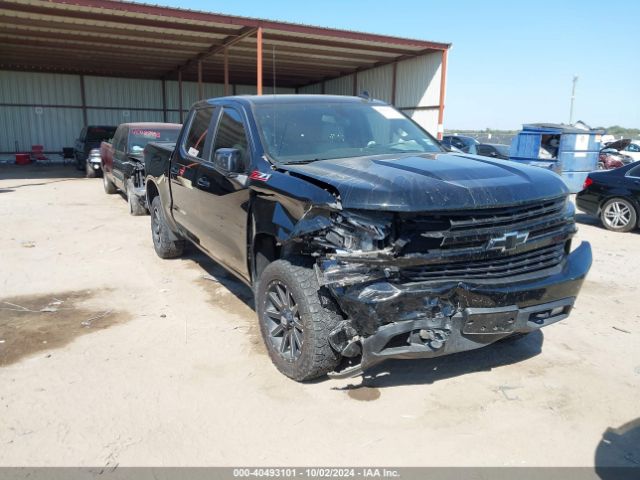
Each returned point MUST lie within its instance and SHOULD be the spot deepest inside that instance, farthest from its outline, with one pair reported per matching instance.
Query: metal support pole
(83, 99)
(259, 61)
(200, 89)
(226, 71)
(443, 82)
(180, 95)
(355, 83)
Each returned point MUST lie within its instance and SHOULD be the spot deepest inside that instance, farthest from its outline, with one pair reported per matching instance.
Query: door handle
(203, 182)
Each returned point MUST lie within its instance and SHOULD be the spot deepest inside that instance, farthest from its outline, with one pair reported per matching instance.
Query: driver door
(223, 197)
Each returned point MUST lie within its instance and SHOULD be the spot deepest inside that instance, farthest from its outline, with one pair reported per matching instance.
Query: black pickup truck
(362, 237)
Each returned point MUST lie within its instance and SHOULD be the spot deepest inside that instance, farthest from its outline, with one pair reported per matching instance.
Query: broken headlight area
(348, 232)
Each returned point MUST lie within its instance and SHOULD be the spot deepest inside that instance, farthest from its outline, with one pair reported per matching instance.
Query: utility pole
(573, 97)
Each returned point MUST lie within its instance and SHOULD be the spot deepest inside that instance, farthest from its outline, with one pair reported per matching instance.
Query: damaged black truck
(362, 237)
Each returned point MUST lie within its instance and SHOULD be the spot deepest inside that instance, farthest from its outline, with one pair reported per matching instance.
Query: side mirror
(494, 154)
(228, 160)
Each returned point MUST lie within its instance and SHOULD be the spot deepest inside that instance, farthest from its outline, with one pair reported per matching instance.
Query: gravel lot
(112, 356)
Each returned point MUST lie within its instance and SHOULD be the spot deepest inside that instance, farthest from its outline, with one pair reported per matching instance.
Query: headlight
(357, 232)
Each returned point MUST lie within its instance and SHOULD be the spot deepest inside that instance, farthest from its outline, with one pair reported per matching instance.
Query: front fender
(285, 206)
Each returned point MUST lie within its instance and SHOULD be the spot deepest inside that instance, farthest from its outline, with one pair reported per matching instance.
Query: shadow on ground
(430, 370)
(618, 453)
(218, 274)
(46, 173)
(588, 220)
(585, 219)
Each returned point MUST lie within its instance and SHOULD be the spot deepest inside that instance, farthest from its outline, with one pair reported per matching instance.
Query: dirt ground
(112, 356)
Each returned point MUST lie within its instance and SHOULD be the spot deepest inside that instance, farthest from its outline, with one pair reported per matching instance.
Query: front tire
(619, 215)
(164, 242)
(295, 318)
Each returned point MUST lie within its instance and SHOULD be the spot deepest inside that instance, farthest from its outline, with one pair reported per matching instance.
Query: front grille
(500, 267)
(472, 244)
(475, 228)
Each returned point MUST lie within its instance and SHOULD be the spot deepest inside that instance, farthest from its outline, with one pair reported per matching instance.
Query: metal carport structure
(110, 38)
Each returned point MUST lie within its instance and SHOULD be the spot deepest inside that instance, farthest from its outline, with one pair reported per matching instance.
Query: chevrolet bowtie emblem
(508, 241)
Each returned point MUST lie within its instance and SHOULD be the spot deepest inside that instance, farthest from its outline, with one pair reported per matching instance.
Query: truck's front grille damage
(488, 243)
(509, 266)
(475, 228)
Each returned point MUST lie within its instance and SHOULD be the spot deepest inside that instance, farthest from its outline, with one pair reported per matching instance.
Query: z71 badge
(258, 175)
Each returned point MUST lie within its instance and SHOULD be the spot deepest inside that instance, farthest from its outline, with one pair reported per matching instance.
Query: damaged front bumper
(388, 319)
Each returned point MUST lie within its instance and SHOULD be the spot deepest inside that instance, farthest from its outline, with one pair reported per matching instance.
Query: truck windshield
(306, 132)
(139, 137)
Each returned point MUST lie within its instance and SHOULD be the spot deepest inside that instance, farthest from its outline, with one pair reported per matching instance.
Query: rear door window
(197, 140)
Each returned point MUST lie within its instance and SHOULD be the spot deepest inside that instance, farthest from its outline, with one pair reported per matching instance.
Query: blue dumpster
(569, 151)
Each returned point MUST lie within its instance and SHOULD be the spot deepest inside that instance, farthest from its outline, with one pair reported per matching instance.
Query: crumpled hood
(447, 181)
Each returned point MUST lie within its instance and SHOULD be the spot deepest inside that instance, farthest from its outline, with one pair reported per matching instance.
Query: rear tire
(109, 187)
(295, 318)
(163, 240)
(619, 215)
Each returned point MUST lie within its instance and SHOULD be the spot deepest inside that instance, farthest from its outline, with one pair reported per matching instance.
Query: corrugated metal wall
(418, 81)
(378, 82)
(23, 126)
(313, 89)
(339, 86)
(37, 107)
(50, 88)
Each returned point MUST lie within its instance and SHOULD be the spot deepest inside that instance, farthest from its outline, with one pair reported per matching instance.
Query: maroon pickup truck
(123, 162)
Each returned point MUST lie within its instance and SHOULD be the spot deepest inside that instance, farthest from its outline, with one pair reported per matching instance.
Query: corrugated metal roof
(110, 37)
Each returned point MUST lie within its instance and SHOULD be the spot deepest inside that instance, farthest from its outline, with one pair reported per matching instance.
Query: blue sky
(511, 63)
